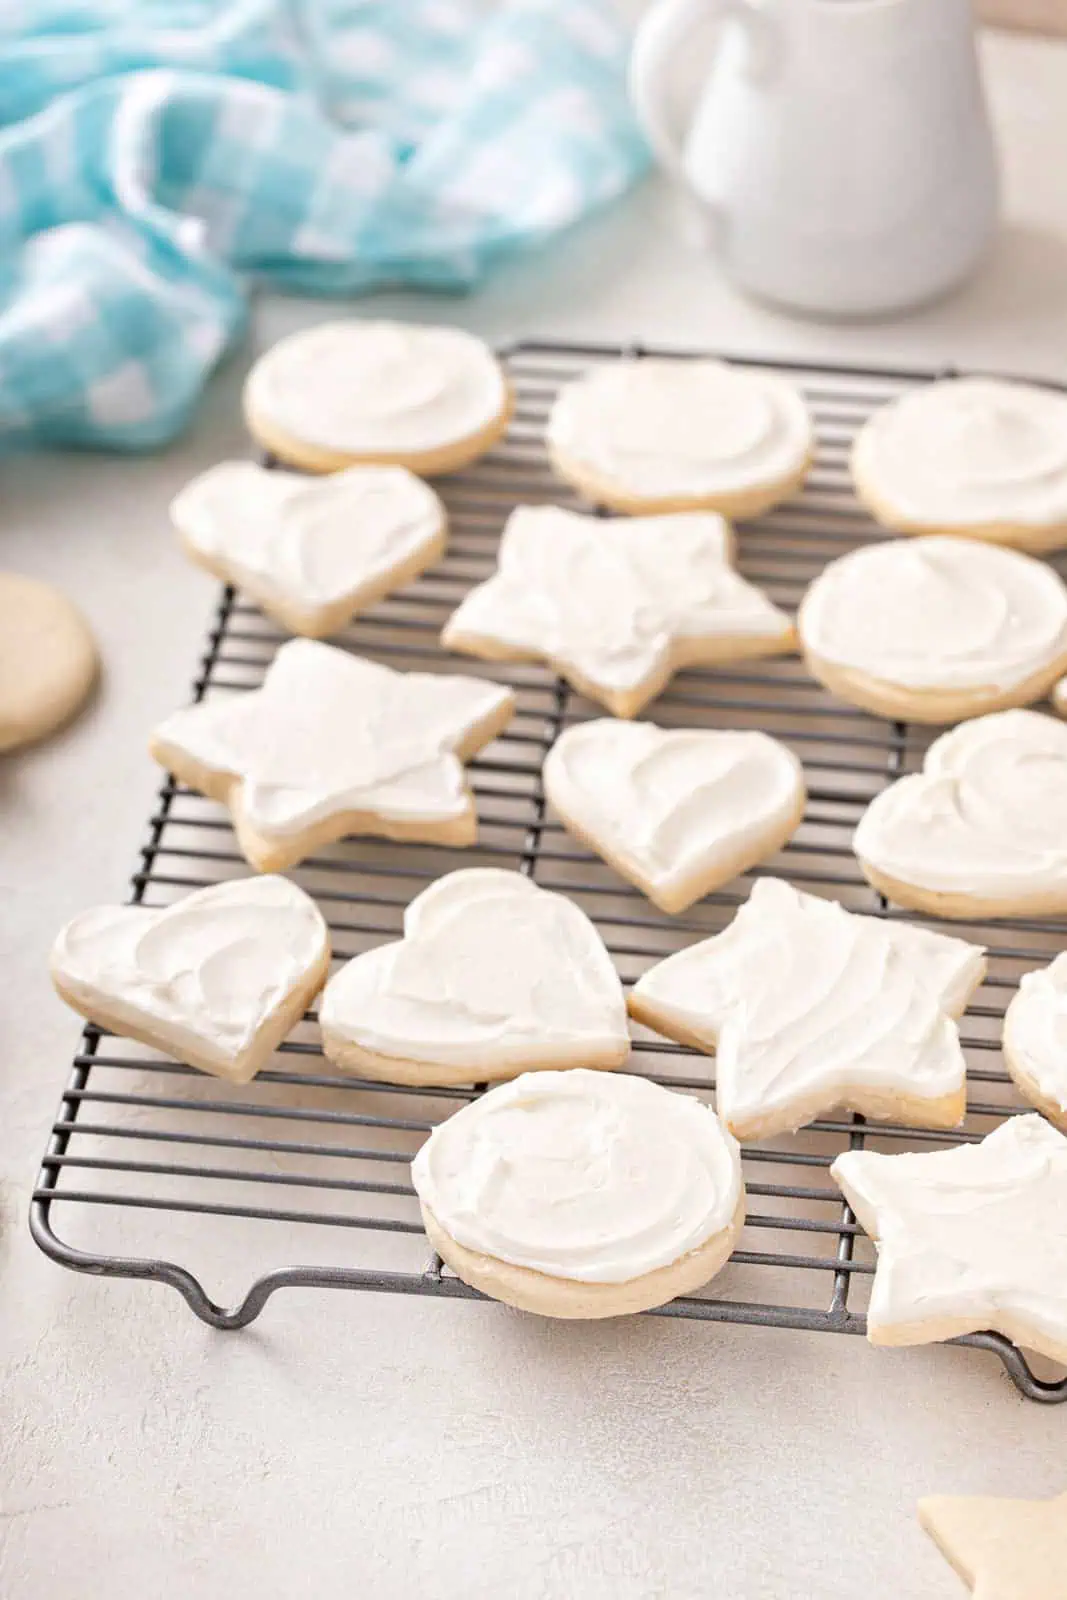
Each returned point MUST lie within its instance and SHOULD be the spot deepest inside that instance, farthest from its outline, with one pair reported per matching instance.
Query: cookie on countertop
(617, 606)
(394, 394)
(494, 976)
(654, 435)
(1002, 1549)
(1035, 1039)
(313, 552)
(582, 1194)
(48, 660)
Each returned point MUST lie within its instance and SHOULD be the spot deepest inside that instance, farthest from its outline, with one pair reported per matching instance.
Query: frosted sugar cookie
(677, 811)
(975, 456)
(810, 1007)
(1002, 1549)
(331, 745)
(676, 435)
(217, 979)
(617, 607)
(1035, 1039)
(980, 832)
(933, 630)
(313, 552)
(47, 659)
(968, 1239)
(581, 1194)
(494, 976)
(396, 394)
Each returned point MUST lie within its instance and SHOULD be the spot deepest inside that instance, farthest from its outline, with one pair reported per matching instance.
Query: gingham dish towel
(158, 156)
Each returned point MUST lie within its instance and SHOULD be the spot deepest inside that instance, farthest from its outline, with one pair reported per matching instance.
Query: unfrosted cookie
(396, 394)
(331, 745)
(677, 811)
(313, 552)
(581, 1194)
(810, 1007)
(48, 659)
(933, 630)
(968, 1239)
(617, 607)
(980, 832)
(674, 435)
(1002, 1549)
(1035, 1039)
(494, 976)
(974, 456)
(217, 979)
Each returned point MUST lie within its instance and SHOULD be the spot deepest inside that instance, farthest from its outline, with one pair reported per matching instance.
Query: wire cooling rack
(156, 1171)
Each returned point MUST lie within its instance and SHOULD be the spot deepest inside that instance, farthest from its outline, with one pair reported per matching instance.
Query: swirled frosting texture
(969, 453)
(674, 805)
(937, 613)
(596, 1177)
(986, 817)
(804, 1002)
(969, 1238)
(1035, 1030)
(492, 971)
(658, 429)
(207, 972)
(378, 388)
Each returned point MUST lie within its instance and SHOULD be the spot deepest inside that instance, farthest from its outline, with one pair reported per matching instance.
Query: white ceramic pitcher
(840, 149)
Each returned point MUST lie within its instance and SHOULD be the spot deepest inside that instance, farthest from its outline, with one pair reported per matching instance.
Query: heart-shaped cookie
(217, 979)
(494, 976)
(677, 811)
(980, 832)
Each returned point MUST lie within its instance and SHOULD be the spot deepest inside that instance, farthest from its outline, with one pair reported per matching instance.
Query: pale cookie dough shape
(1035, 1039)
(617, 606)
(1002, 1549)
(935, 629)
(810, 1007)
(677, 811)
(494, 976)
(332, 744)
(969, 1239)
(397, 394)
(48, 661)
(980, 832)
(313, 552)
(656, 435)
(217, 979)
(980, 457)
(582, 1194)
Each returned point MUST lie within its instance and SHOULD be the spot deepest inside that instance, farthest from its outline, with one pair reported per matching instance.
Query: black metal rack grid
(152, 1165)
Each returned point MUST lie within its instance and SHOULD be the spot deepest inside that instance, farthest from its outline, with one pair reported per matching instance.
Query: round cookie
(1035, 1039)
(393, 394)
(48, 660)
(652, 435)
(935, 629)
(979, 457)
(582, 1194)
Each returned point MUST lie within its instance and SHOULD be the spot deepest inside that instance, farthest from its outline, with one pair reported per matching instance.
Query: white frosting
(205, 973)
(969, 452)
(329, 732)
(378, 388)
(492, 970)
(674, 806)
(972, 1235)
(612, 599)
(662, 428)
(1035, 1030)
(804, 1001)
(307, 542)
(591, 1176)
(1059, 697)
(986, 817)
(937, 613)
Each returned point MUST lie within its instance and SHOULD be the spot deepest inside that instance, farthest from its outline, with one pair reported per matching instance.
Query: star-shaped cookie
(617, 606)
(1002, 1549)
(331, 745)
(969, 1238)
(809, 1006)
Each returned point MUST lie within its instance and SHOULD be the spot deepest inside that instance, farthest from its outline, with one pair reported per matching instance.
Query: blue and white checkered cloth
(158, 156)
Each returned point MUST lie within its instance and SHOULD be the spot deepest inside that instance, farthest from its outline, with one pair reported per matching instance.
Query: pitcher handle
(654, 56)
